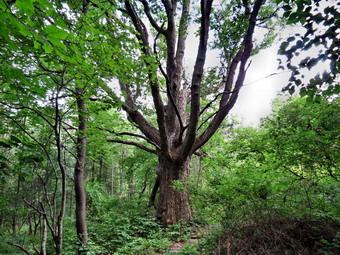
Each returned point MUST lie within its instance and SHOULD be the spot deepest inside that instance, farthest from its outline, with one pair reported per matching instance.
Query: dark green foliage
(321, 20)
(123, 226)
(275, 190)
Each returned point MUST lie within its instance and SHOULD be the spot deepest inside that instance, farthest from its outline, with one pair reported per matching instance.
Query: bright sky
(259, 90)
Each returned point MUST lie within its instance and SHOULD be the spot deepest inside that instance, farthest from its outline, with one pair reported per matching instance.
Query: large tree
(142, 44)
(181, 124)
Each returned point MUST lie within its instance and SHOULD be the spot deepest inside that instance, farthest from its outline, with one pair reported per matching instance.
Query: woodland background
(109, 144)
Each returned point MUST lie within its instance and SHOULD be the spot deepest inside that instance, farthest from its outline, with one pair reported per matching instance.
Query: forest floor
(177, 246)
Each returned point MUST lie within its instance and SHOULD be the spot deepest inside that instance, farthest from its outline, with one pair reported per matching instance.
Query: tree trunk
(173, 205)
(154, 191)
(79, 171)
(43, 236)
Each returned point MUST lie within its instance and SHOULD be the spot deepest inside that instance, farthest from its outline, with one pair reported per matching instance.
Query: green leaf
(55, 32)
(25, 6)
(56, 42)
(37, 44)
(47, 48)
(23, 29)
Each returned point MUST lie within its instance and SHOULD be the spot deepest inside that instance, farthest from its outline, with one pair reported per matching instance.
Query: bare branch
(182, 32)
(130, 134)
(157, 56)
(44, 68)
(152, 21)
(242, 57)
(212, 101)
(202, 154)
(170, 7)
(168, 87)
(142, 36)
(140, 146)
(135, 116)
(47, 197)
(34, 208)
(39, 113)
(197, 78)
(20, 247)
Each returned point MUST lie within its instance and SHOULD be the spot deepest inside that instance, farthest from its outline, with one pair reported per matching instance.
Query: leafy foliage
(287, 169)
(320, 20)
(264, 185)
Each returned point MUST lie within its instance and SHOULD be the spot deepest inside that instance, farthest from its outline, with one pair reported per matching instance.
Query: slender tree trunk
(93, 171)
(131, 188)
(173, 205)
(58, 232)
(154, 191)
(79, 171)
(36, 224)
(43, 236)
(71, 204)
(121, 172)
(199, 173)
(112, 186)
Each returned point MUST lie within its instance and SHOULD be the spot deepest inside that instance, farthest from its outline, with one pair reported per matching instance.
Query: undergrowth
(276, 236)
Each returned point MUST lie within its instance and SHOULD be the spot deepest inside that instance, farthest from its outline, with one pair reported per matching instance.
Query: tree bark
(79, 171)
(173, 205)
(154, 192)
(43, 236)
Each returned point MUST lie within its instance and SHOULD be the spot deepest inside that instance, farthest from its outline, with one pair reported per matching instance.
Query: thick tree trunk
(173, 205)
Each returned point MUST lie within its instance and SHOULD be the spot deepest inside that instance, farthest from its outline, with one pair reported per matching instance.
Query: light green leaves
(55, 32)
(26, 6)
(47, 48)
(54, 36)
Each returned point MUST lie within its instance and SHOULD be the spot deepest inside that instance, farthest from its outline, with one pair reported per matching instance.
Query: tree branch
(140, 146)
(197, 78)
(152, 21)
(142, 35)
(226, 103)
(21, 107)
(135, 116)
(212, 101)
(130, 134)
(20, 247)
(168, 87)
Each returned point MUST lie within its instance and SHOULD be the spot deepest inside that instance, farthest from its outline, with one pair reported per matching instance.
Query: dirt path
(178, 246)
